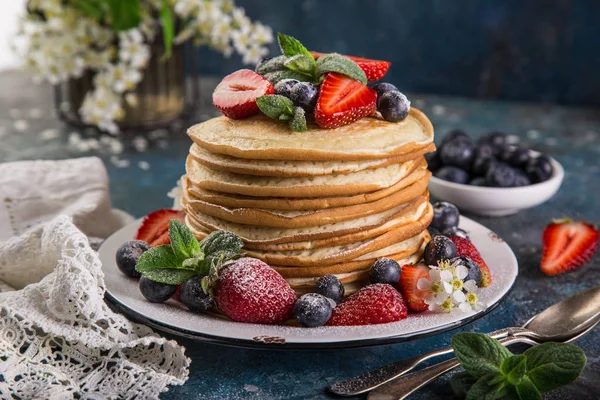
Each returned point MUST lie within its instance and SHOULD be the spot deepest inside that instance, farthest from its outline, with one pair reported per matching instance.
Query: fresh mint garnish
(493, 372)
(281, 108)
(159, 257)
(184, 243)
(291, 46)
(277, 76)
(303, 64)
(273, 65)
(221, 241)
(337, 63)
(169, 276)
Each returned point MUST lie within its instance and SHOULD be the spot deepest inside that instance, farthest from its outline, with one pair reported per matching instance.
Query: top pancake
(262, 138)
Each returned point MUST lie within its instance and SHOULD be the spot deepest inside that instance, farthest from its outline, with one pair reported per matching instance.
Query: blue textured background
(539, 50)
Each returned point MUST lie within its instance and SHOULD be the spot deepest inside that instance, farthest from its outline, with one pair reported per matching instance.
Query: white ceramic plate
(123, 294)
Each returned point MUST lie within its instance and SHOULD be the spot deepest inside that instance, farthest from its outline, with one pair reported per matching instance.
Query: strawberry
(374, 304)
(567, 245)
(236, 95)
(248, 290)
(343, 100)
(155, 226)
(464, 248)
(409, 276)
(374, 69)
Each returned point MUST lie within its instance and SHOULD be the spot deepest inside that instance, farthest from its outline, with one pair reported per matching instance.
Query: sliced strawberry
(236, 95)
(343, 100)
(374, 304)
(155, 226)
(374, 69)
(567, 245)
(464, 248)
(409, 277)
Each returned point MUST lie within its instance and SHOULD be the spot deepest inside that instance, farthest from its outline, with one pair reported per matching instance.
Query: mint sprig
(338, 63)
(291, 46)
(281, 108)
(493, 372)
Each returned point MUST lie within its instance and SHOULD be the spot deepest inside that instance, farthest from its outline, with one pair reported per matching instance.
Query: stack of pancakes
(316, 202)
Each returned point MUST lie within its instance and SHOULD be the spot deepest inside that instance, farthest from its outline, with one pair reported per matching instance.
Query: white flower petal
(461, 272)
(442, 297)
(459, 296)
(465, 307)
(423, 284)
(448, 288)
(446, 276)
(470, 285)
(434, 274)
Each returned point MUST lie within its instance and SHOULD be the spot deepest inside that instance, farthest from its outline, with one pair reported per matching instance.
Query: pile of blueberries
(489, 161)
(302, 94)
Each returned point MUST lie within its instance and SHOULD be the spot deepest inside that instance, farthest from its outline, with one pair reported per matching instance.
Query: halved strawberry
(343, 100)
(464, 248)
(409, 277)
(236, 95)
(374, 69)
(567, 245)
(155, 226)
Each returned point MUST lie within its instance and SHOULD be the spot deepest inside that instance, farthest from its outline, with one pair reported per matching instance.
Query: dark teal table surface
(28, 130)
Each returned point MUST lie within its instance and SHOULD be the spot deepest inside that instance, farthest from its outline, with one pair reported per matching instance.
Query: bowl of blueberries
(491, 177)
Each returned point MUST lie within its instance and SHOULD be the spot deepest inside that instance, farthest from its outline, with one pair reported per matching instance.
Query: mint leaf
(302, 64)
(169, 276)
(221, 240)
(159, 257)
(196, 262)
(272, 65)
(274, 106)
(513, 368)
(277, 76)
(461, 383)
(298, 122)
(337, 63)
(488, 387)
(527, 390)
(184, 243)
(551, 365)
(291, 47)
(478, 353)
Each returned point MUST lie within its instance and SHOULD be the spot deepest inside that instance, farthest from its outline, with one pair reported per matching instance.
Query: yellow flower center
(472, 298)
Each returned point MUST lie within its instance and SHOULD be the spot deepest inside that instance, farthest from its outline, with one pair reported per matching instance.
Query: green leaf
(273, 65)
(513, 368)
(124, 14)
(221, 240)
(159, 257)
(169, 276)
(298, 122)
(196, 262)
(277, 76)
(183, 241)
(484, 389)
(479, 354)
(168, 30)
(461, 383)
(291, 47)
(551, 365)
(274, 106)
(91, 8)
(302, 64)
(527, 390)
(337, 63)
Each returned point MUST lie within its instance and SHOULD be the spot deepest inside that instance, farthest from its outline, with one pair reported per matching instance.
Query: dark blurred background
(531, 50)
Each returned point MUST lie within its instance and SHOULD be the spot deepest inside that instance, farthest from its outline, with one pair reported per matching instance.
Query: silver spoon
(556, 323)
(406, 385)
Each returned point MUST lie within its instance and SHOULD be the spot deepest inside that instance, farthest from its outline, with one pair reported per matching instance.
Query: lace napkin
(58, 339)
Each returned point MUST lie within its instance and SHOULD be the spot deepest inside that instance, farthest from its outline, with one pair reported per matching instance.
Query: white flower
(123, 78)
(262, 34)
(254, 54)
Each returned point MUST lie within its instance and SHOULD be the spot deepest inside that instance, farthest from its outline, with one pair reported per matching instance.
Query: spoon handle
(405, 385)
(377, 377)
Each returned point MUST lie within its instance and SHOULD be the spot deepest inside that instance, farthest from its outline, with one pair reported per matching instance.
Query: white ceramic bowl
(497, 202)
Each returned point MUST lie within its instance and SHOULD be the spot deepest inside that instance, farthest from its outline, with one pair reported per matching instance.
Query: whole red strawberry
(248, 290)
(464, 248)
(374, 304)
(567, 245)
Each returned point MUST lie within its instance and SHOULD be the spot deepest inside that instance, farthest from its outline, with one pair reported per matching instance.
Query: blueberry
(393, 106)
(312, 309)
(458, 153)
(516, 156)
(445, 215)
(330, 286)
(501, 175)
(384, 87)
(433, 161)
(479, 181)
(472, 267)
(483, 150)
(455, 135)
(452, 174)
(128, 255)
(304, 94)
(156, 292)
(193, 296)
(539, 169)
(521, 179)
(385, 270)
(481, 166)
(497, 140)
(439, 248)
(456, 231)
(284, 87)
(433, 231)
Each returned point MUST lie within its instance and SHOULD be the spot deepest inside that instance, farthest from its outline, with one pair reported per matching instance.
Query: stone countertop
(144, 169)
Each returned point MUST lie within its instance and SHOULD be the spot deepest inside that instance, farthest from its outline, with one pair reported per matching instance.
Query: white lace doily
(59, 340)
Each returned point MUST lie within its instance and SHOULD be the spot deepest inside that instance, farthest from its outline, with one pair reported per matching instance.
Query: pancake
(319, 186)
(279, 168)
(261, 138)
(299, 219)
(284, 203)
